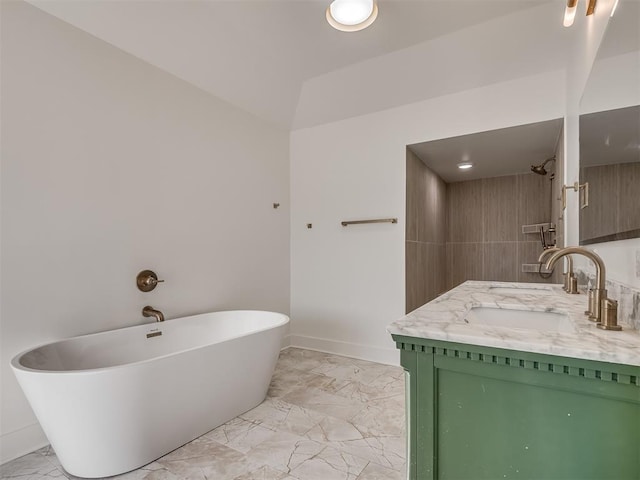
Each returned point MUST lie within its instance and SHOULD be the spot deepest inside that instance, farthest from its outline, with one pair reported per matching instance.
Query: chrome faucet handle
(147, 280)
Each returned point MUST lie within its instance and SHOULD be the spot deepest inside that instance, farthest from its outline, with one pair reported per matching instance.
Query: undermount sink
(527, 319)
(520, 290)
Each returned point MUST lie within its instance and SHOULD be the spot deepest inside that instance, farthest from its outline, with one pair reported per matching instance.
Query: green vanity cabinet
(485, 413)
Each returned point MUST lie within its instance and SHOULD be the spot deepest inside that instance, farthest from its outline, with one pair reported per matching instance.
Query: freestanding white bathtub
(114, 401)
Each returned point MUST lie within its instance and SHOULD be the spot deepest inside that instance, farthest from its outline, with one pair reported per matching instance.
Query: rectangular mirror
(610, 134)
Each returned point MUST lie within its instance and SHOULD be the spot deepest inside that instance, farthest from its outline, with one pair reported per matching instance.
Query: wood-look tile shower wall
(470, 230)
(425, 238)
(486, 241)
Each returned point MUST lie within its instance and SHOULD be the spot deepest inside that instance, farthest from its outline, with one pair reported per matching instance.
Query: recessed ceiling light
(351, 15)
(465, 165)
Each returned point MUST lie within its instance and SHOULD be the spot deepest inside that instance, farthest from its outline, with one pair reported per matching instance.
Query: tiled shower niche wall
(471, 230)
(486, 241)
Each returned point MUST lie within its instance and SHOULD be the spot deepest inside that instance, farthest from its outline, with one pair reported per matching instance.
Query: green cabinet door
(483, 413)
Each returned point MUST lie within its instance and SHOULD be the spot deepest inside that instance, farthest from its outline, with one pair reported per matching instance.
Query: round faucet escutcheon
(147, 280)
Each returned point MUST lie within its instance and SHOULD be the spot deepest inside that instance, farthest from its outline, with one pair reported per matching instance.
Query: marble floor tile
(334, 430)
(286, 379)
(277, 414)
(344, 368)
(385, 450)
(49, 454)
(301, 359)
(382, 417)
(239, 434)
(388, 389)
(265, 473)
(330, 464)
(388, 452)
(321, 401)
(33, 466)
(285, 452)
(325, 417)
(376, 472)
(202, 459)
(390, 382)
(153, 471)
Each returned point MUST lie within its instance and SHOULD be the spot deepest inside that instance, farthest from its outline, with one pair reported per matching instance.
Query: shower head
(539, 169)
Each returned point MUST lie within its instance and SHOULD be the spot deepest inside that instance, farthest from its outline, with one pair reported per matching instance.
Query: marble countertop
(444, 319)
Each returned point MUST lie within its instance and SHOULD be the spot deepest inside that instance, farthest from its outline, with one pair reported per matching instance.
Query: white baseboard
(286, 342)
(388, 356)
(20, 442)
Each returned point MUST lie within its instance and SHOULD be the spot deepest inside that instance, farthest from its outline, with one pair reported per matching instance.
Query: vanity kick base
(486, 413)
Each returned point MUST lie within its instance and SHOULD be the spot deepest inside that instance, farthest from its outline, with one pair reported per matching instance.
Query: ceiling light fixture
(570, 12)
(465, 165)
(351, 15)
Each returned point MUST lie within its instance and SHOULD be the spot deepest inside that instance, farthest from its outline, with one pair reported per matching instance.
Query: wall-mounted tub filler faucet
(601, 309)
(152, 312)
(570, 280)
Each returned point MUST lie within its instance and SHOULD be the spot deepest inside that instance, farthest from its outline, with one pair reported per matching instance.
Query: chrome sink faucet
(602, 310)
(152, 312)
(570, 280)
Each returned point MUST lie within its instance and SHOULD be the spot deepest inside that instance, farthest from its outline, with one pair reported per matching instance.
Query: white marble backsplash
(444, 319)
(628, 298)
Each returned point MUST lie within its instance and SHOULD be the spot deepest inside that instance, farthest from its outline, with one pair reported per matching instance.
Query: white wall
(348, 282)
(614, 82)
(110, 166)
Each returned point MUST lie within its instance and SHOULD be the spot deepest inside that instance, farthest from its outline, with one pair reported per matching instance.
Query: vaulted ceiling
(281, 61)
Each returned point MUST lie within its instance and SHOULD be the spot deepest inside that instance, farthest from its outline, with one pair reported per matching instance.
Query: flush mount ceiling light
(465, 165)
(351, 15)
(570, 11)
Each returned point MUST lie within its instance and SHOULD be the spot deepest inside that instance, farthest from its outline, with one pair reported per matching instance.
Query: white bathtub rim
(16, 365)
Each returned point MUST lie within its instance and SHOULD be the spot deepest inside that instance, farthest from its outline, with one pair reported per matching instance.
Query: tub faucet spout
(152, 312)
